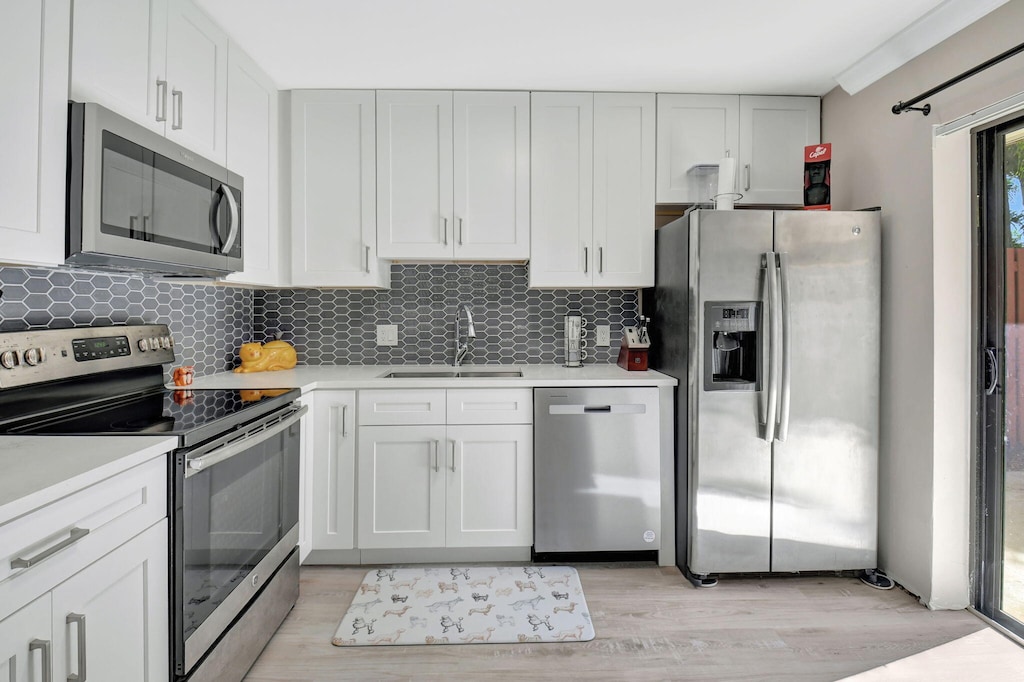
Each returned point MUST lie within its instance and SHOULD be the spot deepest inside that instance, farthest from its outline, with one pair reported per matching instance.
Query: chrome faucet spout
(462, 348)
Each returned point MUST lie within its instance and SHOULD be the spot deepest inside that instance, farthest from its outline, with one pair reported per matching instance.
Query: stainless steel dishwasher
(597, 472)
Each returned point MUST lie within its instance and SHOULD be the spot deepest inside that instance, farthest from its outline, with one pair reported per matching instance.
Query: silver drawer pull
(79, 619)
(44, 646)
(75, 534)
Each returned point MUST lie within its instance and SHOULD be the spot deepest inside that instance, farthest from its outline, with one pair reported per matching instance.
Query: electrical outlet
(387, 334)
(604, 335)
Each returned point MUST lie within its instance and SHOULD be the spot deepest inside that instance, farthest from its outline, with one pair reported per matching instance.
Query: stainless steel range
(234, 479)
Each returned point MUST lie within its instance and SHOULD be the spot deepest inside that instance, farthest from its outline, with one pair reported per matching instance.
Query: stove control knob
(165, 342)
(143, 345)
(34, 356)
(9, 359)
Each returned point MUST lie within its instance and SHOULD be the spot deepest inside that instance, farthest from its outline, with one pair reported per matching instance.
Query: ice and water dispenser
(732, 344)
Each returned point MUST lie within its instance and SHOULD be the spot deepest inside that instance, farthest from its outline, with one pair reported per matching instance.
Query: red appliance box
(818, 177)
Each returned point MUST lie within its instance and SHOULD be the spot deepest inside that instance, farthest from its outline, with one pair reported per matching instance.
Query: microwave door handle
(215, 231)
(236, 224)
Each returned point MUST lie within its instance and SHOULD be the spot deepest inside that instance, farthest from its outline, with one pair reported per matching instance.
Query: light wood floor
(651, 625)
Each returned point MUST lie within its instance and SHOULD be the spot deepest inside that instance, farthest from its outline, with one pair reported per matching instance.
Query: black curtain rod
(900, 107)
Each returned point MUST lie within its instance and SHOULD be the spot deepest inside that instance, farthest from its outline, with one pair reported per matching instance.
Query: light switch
(387, 334)
(603, 333)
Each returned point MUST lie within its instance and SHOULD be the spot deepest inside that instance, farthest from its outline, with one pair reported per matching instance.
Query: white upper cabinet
(773, 134)
(693, 130)
(592, 183)
(453, 175)
(334, 219)
(414, 175)
(34, 39)
(161, 63)
(624, 145)
(252, 152)
(492, 175)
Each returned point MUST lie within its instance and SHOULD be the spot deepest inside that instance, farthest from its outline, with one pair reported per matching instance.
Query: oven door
(235, 520)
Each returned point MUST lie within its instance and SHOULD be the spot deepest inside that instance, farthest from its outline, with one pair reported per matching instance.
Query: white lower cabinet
(333, 468)
(447, 485)
(26, 643)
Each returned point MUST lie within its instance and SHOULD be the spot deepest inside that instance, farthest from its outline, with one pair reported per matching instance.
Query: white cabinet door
(490, 486)
(492, 175)
(334, 210)
(116, 608)
(334, 470)
(197, 71)
(414, 174)
(118, 58)
(693, 130)
(624, 190)
(34, 38)
(401, 486)
(561, 189)
(252, 153)
(307, 442)
(773, 134)
(26, 643)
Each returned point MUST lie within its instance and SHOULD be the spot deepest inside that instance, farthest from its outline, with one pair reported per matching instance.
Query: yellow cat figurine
(266, 357)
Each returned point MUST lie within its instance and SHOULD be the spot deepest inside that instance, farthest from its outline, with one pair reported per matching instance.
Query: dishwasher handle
(627, 408)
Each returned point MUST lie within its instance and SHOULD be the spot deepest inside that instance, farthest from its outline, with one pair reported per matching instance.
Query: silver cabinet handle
(787, 338)
(44, 646)
(161, 100)
(145, 223)
(436, 469)
(74, 535)
(746, 177)
(600, 260)
(78, 619)
(344, 427)
(444, 231)
(586, 259)
(460, 231)
(367, 248)
(992, 369)
(176, 117)
(453, 456)
(133, 220)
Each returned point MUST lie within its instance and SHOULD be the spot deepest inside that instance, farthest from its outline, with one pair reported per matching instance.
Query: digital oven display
(100, 348)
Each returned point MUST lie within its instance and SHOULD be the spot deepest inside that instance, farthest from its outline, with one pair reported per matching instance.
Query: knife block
(633, 359)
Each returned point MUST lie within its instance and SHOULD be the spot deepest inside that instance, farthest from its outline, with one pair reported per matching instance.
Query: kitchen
(923, 533)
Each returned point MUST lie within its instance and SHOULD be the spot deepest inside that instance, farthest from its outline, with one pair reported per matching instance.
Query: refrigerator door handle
(772, 343)
(784, 348)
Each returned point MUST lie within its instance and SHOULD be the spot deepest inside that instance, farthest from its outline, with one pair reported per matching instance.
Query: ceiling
(713, 46)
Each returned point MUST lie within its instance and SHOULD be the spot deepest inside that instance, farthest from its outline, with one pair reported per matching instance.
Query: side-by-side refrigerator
(782, 369)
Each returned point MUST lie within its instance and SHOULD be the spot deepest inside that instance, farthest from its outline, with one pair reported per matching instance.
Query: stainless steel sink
(455, 374)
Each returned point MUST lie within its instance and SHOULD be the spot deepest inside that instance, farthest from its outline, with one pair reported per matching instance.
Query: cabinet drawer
(80, 528)
(490, 406)
(386, 408)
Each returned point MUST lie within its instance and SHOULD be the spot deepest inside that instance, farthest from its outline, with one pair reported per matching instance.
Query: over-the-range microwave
(138, 202)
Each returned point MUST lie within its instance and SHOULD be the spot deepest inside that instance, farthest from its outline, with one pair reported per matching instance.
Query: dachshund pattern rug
(471, 605)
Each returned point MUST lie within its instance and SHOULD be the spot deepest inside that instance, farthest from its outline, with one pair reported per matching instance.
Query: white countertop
(38, 470)
(310, 377)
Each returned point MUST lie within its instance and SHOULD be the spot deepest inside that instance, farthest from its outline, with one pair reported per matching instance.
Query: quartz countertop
(38, 470)
(310, 377)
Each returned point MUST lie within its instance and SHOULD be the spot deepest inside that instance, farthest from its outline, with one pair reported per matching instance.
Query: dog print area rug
(472, 605)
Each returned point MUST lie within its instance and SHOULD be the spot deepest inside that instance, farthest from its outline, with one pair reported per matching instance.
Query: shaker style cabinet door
(334, 470)
(334, 209)
(624, 150)
(492, 175)
(561, 189)
(119, 58)
(773, 134)
(34, 36)
(693, 130)
(252, 153)
(110, 619)
(26, 643)
(414, 174)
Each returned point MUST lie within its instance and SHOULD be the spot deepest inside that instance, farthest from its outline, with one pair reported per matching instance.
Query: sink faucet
(462, 348)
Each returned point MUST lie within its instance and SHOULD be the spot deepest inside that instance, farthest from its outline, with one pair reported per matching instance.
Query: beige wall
(887, 160)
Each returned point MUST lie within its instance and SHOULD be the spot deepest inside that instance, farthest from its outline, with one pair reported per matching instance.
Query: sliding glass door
(999, 584)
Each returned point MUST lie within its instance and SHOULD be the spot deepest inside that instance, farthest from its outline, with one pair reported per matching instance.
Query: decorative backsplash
(208, 322)
(514, 324)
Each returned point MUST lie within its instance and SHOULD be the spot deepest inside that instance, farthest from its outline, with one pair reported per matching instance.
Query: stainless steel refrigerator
(772, 318)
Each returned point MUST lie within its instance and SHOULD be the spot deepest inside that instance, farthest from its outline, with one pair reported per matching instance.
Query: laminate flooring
(651, 625)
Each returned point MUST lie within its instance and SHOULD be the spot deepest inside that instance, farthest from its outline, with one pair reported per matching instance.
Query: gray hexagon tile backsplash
(514, 324)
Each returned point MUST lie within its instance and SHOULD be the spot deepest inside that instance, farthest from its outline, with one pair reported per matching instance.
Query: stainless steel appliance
(597, 470)
(234, 479)
(137, 201)
(575, 354)
(772, 319)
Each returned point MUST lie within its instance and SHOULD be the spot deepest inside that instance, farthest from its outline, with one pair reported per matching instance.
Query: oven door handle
(236, 447)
